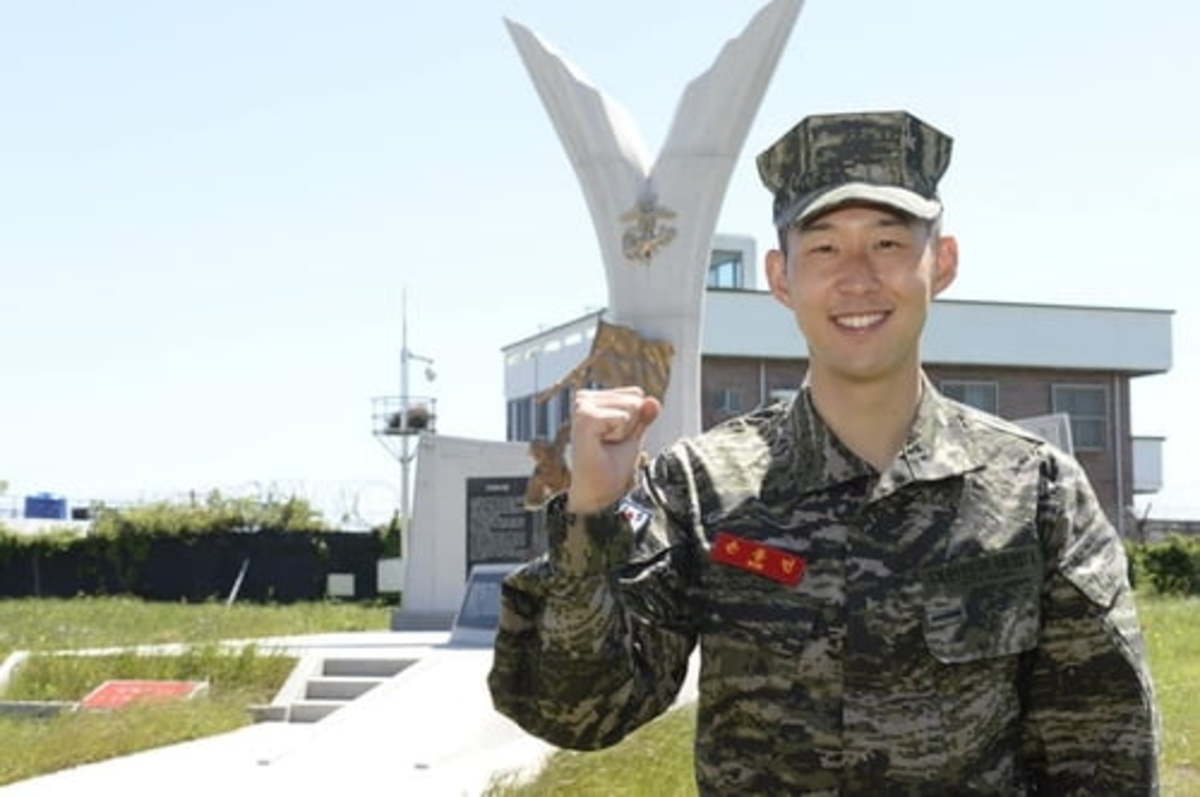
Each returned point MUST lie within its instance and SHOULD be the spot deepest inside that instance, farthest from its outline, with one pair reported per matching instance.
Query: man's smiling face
(859, 280)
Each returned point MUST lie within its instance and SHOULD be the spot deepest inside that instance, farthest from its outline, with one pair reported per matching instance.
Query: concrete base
(403, 620)
(36, 708)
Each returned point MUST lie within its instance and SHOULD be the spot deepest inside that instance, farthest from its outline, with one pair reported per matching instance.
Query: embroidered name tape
(773, 563)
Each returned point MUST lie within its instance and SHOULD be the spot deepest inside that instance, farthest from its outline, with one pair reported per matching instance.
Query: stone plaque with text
(498, 527)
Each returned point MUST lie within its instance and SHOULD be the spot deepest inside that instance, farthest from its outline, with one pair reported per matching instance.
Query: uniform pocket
(984, 606)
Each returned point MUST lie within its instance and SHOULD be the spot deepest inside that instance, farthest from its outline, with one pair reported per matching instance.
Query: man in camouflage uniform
(894, 594)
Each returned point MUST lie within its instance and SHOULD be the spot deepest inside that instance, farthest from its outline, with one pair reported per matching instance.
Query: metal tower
(396, 419)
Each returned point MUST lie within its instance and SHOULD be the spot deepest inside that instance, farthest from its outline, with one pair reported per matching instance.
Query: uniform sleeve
(1090, 723)
(594, 636)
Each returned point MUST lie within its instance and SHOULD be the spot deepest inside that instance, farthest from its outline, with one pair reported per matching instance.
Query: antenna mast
(396, 419)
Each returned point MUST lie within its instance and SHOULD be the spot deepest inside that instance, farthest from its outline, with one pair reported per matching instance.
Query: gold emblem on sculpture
(647, 236)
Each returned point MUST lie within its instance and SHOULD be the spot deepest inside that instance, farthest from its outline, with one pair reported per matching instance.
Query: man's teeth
(859, 321)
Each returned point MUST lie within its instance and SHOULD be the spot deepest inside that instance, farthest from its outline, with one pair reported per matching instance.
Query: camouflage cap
(892, 158)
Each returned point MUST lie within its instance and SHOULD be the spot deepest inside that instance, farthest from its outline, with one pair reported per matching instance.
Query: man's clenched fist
(607, 430)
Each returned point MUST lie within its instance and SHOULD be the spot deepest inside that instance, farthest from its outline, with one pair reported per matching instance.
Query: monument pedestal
(403, 620)
(467, 509)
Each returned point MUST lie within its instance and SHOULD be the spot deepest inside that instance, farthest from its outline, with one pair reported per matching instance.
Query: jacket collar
(938, 446)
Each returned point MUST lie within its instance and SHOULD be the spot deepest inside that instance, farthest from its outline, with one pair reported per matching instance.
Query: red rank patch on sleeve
(773, 563)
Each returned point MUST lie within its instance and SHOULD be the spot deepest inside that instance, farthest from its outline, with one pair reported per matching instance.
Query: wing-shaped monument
(655, 223)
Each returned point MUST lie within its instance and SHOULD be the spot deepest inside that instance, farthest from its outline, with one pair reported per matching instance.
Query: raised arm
(594, 636)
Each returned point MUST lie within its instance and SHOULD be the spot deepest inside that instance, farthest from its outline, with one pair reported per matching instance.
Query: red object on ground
(119, 694)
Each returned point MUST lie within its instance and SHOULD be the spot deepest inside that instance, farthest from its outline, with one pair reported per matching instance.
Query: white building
(1016, 360)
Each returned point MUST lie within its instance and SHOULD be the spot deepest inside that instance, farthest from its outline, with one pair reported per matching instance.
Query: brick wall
(1022, 392)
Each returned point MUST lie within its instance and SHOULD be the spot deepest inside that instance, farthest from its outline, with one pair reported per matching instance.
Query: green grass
(236, 679)
(72, 739)
(657, 759)
(1172, 629)
(246, 673)
(654, 760)
(84, 622)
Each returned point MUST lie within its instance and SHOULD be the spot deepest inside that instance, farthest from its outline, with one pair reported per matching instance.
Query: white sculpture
(655, 223)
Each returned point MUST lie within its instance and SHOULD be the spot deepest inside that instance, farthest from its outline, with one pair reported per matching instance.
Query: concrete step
(364, 668)
(317, 689)
(268, 712)
(313, 710)
(403, 620)
(339, 688)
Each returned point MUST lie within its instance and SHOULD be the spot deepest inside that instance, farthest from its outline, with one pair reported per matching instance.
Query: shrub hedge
(215, 514)
(191, 551)
(1171, 567)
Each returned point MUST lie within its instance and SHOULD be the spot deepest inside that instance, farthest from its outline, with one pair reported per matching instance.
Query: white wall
(436, 549)
(752, 324)
(535, 364)
(1147, 464)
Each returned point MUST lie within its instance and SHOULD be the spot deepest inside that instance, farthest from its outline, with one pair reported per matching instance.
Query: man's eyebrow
(822, 226)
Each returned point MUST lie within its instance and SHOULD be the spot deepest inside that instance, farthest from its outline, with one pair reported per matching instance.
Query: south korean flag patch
(636, 515)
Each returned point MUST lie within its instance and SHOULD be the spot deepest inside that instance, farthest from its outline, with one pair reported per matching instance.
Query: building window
(566, 402)
(980, 395)
(541, 428)
(728, 401)
(725, 269)
(783, 394)
(1087, 406)
(519, 426)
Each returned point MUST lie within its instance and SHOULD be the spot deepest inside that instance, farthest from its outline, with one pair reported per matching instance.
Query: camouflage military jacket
(963, 623)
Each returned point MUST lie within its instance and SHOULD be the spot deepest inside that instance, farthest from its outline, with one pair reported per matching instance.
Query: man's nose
(858, 273)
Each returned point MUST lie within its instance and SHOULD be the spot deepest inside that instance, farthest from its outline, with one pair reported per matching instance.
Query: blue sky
(208, 210)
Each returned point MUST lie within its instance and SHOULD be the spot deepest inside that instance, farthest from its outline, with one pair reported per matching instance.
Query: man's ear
(777, 277)
(945, 264)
